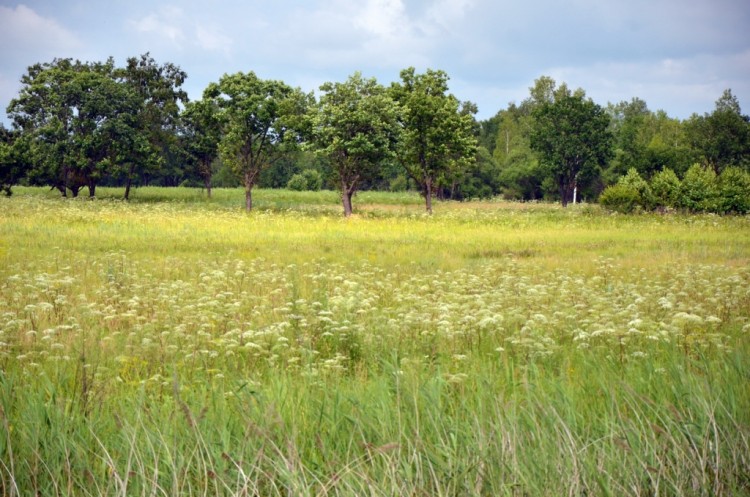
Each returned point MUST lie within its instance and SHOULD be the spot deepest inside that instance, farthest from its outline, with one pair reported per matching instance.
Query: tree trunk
(207, 177)
(92, 189)
(428, 196)
(346, 198)
(207, 183)
(129, 182)
(248, 198)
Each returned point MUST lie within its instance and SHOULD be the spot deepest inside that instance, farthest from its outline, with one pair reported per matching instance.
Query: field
(175, 345)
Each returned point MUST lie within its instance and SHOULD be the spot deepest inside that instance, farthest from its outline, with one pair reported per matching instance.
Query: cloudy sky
(677, 55)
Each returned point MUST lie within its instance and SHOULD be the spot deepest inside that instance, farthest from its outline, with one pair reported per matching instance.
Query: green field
(176, 345)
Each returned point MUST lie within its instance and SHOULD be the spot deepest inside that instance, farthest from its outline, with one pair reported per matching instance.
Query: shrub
(313, 178)
(297, 183)
(698, 191)
(309, 179)
(734, 191)
(620, 198)
(635, 182)
(665, 187)
(398, 184)
(630, 192)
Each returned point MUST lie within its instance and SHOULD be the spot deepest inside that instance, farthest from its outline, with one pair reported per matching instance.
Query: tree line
(83, 124)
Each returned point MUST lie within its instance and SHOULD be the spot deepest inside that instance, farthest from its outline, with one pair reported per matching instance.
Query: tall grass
(186, 348)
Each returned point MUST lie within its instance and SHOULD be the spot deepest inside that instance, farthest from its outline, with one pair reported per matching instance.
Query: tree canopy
(437, 137)
(82, 124)
(261, 119)
(571, 136)
(355, 126)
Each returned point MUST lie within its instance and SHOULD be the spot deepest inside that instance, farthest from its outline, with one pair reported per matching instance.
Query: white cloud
(164, 24)
(386, 19)
(679, 85)
(675, 54)
(29, 38)
(444, 14)
(22, 29)
(212, 40)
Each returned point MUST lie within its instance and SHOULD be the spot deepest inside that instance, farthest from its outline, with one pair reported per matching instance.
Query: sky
(677, 55)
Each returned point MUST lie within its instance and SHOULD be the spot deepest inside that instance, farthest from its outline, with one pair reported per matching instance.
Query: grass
(179, 346)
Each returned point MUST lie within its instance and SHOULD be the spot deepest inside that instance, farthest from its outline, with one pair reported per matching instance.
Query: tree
(520, 175)
(437, 138)
(43, 115)
(104, 119)
(159, 93)
(647, 141)
(261, 120)
(722, 137)
(201, 133)
(355, 126)
(73, 117)
(570, 134)
(11, 168)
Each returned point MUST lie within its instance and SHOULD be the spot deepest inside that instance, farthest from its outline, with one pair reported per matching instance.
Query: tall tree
(158, 88)
(11, 168)
(261, 119)
(201, 132)
(43, 114)
(437, 137)
(722, 137)
(355, 126)
(104, 118)
(571, 137)
(73, 117)
(646, 141)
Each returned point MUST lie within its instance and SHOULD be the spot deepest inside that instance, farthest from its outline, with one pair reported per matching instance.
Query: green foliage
(153, 138)
(307, 180)
(665, 186)
(722, 137)
(297, 183)
(698, 191)
(734, 191)
(437, 140)
(620, 198)
(313, 178)
(201, 134)
(519, 175)
(82, 123)
(261, 122)
(398, 184)
(355, 128)
(633, 181)
(10, 165)
(477, 180)
(571, 137)
(630, 193)
(224, 176)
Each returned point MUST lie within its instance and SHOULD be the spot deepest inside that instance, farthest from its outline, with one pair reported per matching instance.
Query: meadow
(175, 345)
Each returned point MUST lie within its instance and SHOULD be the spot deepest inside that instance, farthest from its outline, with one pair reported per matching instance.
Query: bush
(297, 183)
(698, 191)
(630, 192)
(734, 191)
(635, 182)
(313, 178)
(665, 187)
(399, 184)
(309, 179)
(620, 198)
